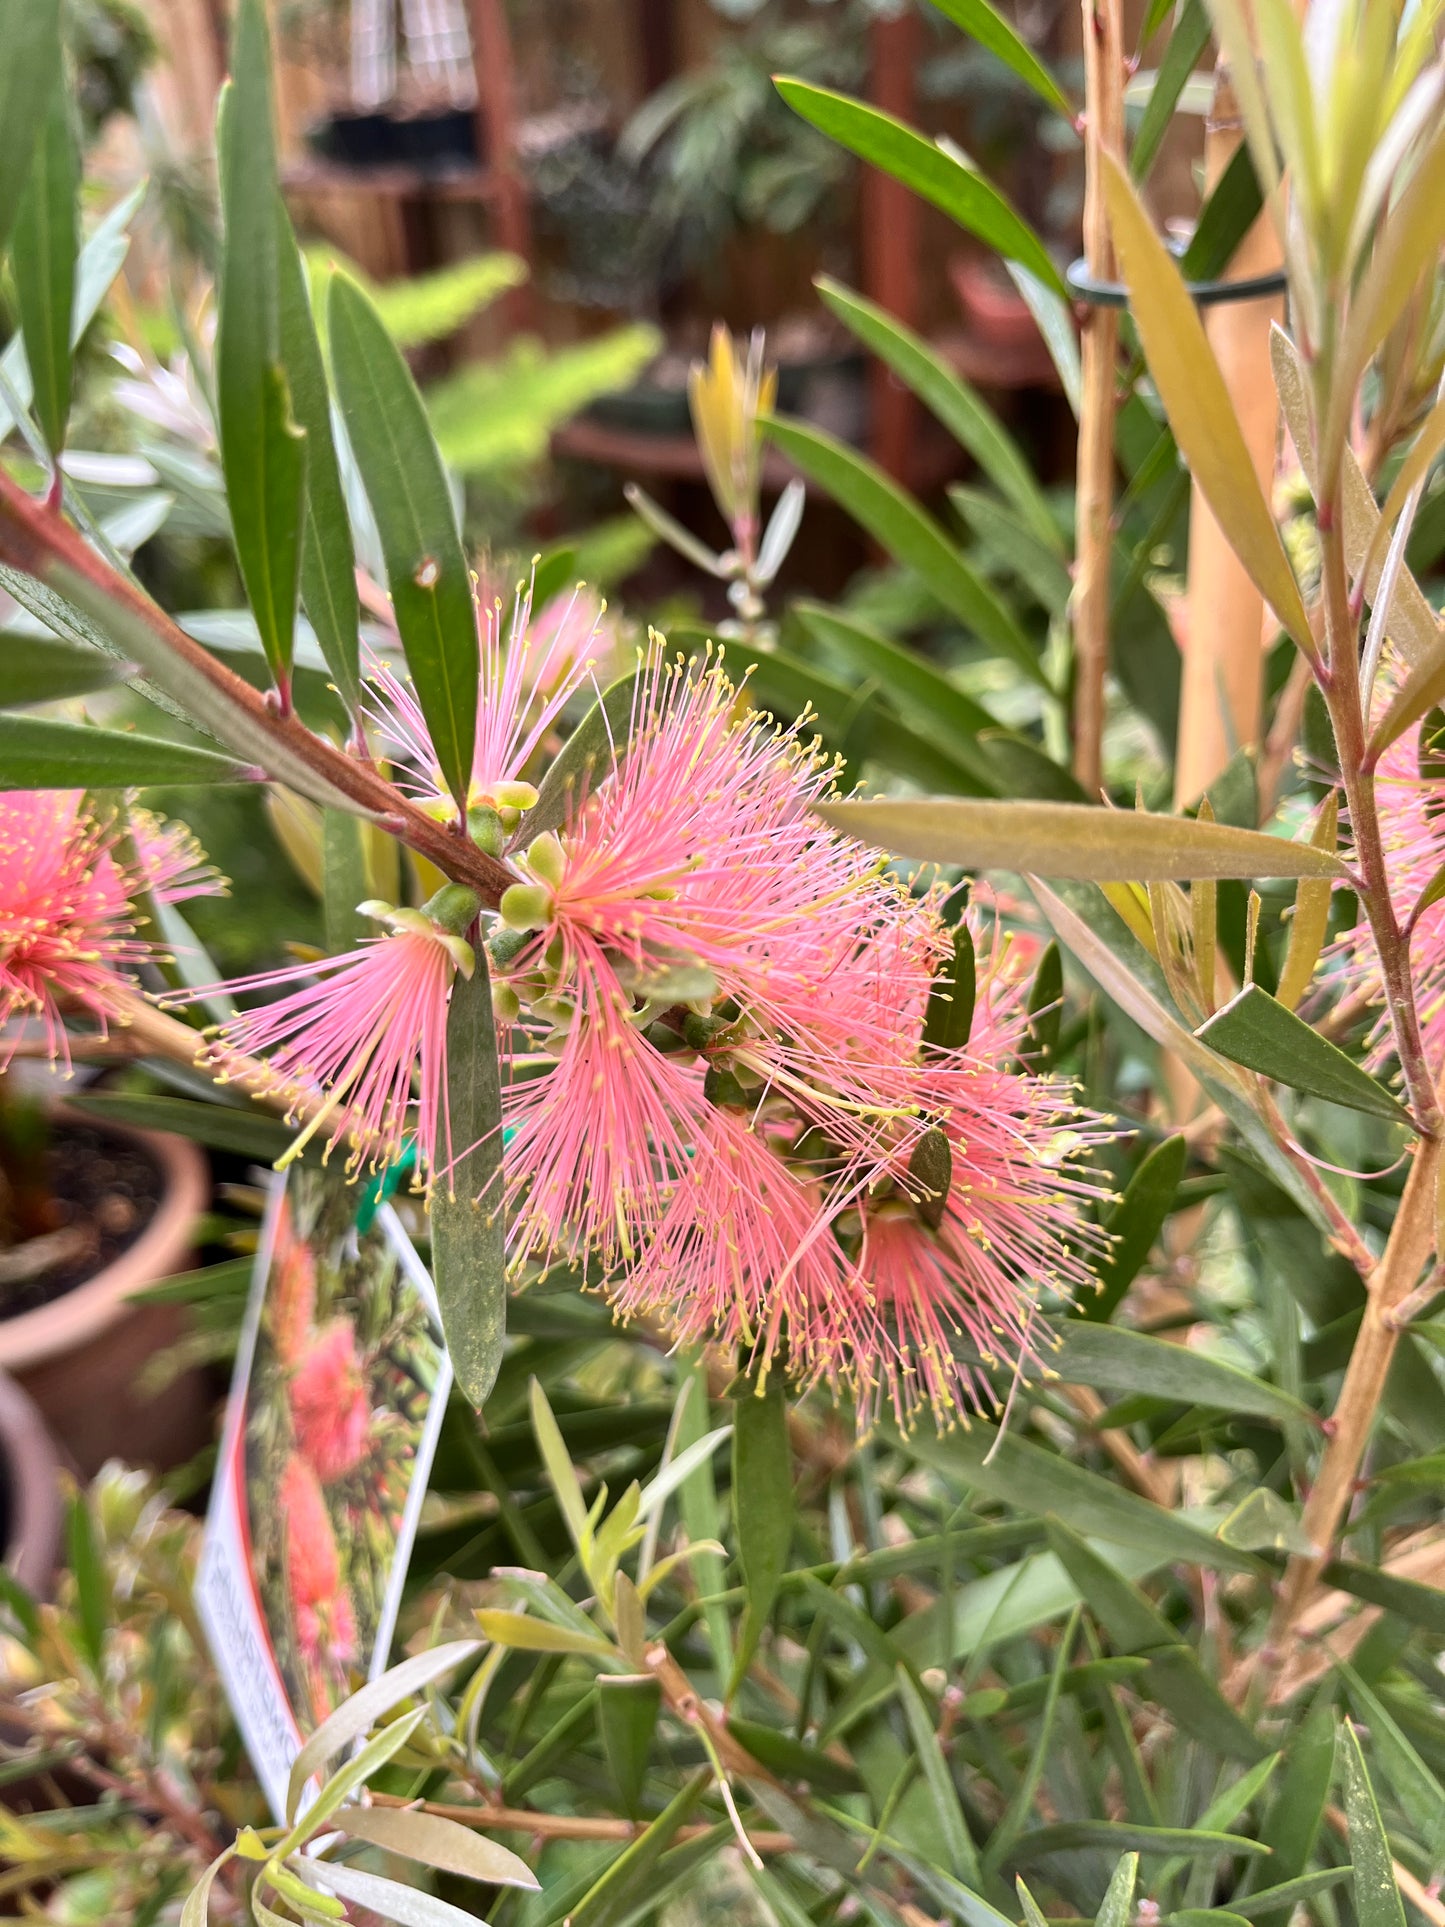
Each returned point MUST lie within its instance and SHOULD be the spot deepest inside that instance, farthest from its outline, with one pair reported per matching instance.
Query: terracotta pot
(30, 1472)
(78, 1357)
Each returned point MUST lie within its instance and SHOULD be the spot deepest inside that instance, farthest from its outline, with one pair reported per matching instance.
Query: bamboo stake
(1225, 632)
(1103, 133)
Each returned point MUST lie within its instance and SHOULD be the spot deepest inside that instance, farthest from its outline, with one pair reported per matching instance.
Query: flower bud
(485, 828)
(547, 859)
(453, 908)
(526, 906)
(506, 1004)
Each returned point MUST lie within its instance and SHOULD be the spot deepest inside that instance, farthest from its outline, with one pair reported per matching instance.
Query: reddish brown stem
(36, 540)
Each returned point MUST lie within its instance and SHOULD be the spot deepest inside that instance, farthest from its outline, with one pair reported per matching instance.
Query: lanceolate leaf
(762, 1501)
(1256, 1030)
(1073, 840)
(966, 417)
(1377, 1896)
(328, 561)
(44, 265)
(437, 1842)
(919, 163)
(407, 486)
(1198, 405)
(627, 1709)
(42, 753)
(1187, 41)
(1111, 1358)
(43, 669)
(469, 1256)
(1135, 1223)
(30, 78)
(909, 534)
(991, 30)
(925, 697)
(263, 453)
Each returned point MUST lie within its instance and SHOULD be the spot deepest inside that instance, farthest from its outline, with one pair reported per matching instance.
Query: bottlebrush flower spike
(330, 1410)
(1413, 833)
(321, 1609)
(346, 1044)
(68, 930)
(527, 679)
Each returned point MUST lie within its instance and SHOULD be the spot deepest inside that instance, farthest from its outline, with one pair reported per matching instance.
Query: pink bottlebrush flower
(321, 1609)
(1412, 829)
(67, 927)
(330, 1409)
(348, 1041)
(526, 682)
(292, 1309)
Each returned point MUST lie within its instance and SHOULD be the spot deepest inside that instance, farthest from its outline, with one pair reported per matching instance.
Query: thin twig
(565, 1826)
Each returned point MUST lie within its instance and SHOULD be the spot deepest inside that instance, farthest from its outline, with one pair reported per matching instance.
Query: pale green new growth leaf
(360, 1713)
(438, 1842)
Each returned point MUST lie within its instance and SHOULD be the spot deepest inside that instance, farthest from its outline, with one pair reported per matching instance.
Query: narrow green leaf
(263, 453)
(1070, 1835)
(1408, 241)
(947, 1808)
(924, 696)
(1045, 1009)
(584, 758)
(1226, 217)
(1073, 840)
(948, 1020)
(627, 1708)
(43, 669)
(1134, 1225)
(966, 416)
(1021, 1802)
(43, 753)
(360, 1713)
(525, 1634)
(1117, 1906)
(1415, 1787)
(1041, 1483)
(47, 236)
(697, 1503)
(609, 1900)
(406, 485)
(1377, 1897)
(794, 1760)
(762, 1502)
(1054, 318)
(343, 881)
(1038, 567)
(909, 534)
(1186, 43)
(30, 78)
(1255, 1029)
(1422, 1605)
(1192, 389)
(1289, 1894)
(919, 163)
(469, 1255)
(224, 1127)
(1113, 1358)
(1175, 1678)
(978, 19)
(328, 559)
(92, 1588)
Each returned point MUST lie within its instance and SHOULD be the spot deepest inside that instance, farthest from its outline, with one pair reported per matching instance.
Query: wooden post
(891, 217)
(1224, 616)
(1103, 133)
